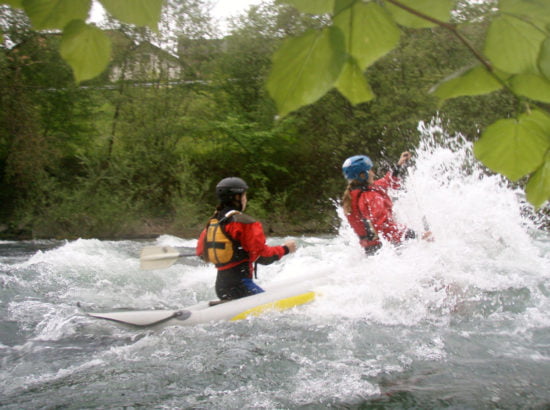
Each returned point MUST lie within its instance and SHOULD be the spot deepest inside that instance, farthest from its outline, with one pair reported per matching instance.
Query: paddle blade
(158, 257)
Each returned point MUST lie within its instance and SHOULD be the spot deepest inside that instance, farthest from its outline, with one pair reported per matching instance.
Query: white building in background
(142, 62)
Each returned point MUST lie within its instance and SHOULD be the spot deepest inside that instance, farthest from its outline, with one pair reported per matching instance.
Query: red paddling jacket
(372, 215)
(247, 240)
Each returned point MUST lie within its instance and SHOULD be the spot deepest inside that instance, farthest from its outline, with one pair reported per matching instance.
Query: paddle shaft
(160, 257)
(425, 223)
(166, 256)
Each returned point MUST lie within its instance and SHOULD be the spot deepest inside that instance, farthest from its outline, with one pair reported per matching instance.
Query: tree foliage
(85, 47)
(144, 145)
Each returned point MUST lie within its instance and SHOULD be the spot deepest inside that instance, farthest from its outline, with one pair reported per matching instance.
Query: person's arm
(288, 247)
(398, 168)
(389, 181)
(200, 243)
(254, 242)
(405, 156)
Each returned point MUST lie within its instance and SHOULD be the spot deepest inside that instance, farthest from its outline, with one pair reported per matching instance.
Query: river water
(462, 322)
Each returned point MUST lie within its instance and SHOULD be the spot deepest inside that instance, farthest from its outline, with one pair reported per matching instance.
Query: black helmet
(228, 187)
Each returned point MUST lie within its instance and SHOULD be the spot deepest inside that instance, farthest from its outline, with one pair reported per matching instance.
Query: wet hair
(346, 197)
(231, 202)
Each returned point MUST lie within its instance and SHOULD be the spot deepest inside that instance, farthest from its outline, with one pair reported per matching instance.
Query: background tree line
(141, 154)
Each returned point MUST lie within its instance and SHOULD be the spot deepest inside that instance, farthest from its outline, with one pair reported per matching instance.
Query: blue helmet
(353, 166)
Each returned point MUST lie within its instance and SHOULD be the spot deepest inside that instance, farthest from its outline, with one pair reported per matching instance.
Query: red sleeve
(388, 181)
(200, 243)
(252, 238)
(374, 207)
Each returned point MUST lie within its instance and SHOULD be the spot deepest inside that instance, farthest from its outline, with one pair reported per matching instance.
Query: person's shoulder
(374, 191)
(243, 218)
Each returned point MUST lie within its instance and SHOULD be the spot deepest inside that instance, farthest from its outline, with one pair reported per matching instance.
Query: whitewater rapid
(461, 321)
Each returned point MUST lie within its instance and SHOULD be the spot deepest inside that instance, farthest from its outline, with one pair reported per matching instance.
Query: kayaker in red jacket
(235, 242)
(368, 206)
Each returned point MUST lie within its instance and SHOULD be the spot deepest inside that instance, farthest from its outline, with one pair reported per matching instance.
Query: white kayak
(278, 299)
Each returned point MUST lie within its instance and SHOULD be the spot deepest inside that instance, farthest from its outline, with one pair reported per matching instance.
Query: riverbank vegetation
(138, 150)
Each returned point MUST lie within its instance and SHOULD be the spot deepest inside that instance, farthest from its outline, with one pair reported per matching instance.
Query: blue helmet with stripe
(353, 166)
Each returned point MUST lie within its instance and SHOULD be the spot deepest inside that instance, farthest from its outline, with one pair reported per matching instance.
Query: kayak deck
(238, 309)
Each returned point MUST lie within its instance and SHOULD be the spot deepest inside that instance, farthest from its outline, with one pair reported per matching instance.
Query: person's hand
(291, 245)
(405, 156)
(428, 236)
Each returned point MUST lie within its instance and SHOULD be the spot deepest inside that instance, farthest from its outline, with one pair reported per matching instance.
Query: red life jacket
(372, 205)
(362, 226)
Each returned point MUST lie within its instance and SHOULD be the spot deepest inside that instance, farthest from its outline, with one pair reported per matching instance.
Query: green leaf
(86, 48)
(55, 14)
(472, 81)
(538, 187)
(353, 85)
(438, 9)
(534, 10)
(513, 45)
(544, 58)
(138, 12)
(312, 6)
(16, 4)
(305, 68)
(341, 5)
(369, 31)
(515, 148)
(531, 86)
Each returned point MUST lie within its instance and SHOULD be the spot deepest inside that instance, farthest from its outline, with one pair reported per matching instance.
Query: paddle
(160, 257)
(425, 223)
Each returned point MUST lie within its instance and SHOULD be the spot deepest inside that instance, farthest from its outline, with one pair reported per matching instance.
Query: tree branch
(453, 29)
